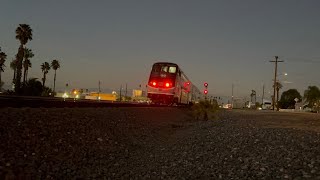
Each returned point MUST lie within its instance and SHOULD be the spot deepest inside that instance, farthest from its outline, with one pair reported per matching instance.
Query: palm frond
(23, 33)
(55, 64)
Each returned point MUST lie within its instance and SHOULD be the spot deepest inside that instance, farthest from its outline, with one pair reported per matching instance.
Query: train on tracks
(169, 85)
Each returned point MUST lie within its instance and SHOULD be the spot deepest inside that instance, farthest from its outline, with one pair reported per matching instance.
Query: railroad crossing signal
(205, 84)
(205, 92)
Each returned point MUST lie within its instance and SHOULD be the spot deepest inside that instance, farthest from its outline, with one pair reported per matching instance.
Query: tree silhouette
(312, 96)
(3, 58)
(13, 66)
(278, 87)
(287, 99)
(23, 34)
(27, 63)
(45, 67)
(55, 65)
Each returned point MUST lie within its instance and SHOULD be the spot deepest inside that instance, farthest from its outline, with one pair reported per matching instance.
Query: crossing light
(205, 91)
(205, 84)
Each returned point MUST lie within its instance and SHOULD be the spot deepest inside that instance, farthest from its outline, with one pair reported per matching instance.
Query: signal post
(205, 90)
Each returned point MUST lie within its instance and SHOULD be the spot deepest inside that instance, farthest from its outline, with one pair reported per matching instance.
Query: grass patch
(205, 110)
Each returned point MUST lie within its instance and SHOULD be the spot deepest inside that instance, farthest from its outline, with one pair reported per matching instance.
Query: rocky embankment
(155, 143)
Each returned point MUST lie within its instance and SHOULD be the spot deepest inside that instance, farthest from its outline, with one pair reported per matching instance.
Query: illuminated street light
(65, 95)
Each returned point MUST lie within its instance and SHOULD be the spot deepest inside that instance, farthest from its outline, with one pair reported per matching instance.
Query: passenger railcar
(168, 84)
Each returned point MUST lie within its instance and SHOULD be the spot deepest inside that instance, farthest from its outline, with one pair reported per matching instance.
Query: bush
(47, 92)
(33, 87)
(205, 110)
(9, 92)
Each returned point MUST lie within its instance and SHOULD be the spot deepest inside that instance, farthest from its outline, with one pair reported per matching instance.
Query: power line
(303, 60)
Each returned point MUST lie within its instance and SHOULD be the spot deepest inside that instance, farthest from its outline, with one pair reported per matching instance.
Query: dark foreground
(114, 143)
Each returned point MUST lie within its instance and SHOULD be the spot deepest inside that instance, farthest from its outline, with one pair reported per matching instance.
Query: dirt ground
(292, 120)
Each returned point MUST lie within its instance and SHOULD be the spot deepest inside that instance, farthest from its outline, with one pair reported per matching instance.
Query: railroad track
(52, 102)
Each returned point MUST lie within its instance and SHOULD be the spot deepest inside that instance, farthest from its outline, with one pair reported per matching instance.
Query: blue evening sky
(219, 42)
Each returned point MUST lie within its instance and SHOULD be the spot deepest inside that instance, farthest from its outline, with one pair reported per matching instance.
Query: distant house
(299, 106)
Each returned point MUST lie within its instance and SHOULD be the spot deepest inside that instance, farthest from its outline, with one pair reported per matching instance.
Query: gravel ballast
(155, 143)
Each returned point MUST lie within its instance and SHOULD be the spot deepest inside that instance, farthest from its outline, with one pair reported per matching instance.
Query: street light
(282, 74)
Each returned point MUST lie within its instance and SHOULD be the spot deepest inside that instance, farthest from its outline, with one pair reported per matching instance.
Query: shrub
(205, 110)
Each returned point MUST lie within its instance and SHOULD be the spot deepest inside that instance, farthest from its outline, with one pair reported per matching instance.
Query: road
(157, 143)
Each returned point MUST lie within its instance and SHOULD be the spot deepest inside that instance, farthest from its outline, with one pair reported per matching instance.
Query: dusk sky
(219, 42)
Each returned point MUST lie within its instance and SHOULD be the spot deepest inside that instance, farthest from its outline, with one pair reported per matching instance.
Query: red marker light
(205, 84)
(205, 91)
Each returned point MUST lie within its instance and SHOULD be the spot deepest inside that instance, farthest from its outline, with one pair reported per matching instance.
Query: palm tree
(3, 58)
(27, 63)
(45, 67)
(23, 34)
(278, 87)
(55, 65)
(13, 66)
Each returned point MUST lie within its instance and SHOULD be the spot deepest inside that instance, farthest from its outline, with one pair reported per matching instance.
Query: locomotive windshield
(164, 68)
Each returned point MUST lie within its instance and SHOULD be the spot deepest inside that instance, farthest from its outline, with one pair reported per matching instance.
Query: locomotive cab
(162, 83)
(169, 85)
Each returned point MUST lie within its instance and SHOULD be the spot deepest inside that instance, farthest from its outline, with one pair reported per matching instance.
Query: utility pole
(262, 94)
(232, 96)
(126, 94)
(66, 87)
(120, 92)
(275, 81)
(99, 91)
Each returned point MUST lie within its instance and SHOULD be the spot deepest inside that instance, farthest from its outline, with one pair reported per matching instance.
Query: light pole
(237, 83)
(99, 91)
(262, 94)
(232, 96)
(125, 97)
(120, 93)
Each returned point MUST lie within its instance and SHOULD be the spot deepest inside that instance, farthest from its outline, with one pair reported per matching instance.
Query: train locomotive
(169, 85)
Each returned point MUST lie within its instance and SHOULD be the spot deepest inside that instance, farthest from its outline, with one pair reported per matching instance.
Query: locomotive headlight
(167, 84)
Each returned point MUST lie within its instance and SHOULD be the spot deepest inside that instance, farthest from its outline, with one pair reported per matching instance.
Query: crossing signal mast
(206, 90)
